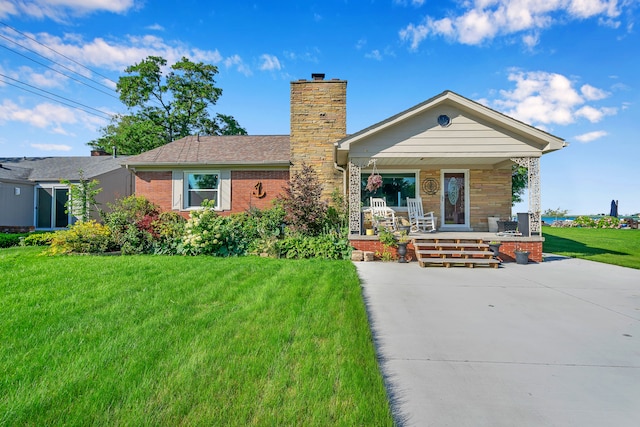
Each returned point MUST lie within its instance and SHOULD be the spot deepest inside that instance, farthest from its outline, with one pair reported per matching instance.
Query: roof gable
(475, 131)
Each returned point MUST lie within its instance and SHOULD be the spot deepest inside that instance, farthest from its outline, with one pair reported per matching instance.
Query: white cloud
(237, 62)
(483, 20)
(113, 55)
(542, 98)
(416, 3)
(269, 63)
(48, 116)
(155, 27)
(374, 54)
(52, 147)
(593, 94)
(60, 10)
(591, 136)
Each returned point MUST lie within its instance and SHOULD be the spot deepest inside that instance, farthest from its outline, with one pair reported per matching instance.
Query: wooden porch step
(468, 262)
(460, 253)
(454, 245)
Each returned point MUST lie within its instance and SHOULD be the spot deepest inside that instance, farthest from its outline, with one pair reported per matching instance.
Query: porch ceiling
(439, 162)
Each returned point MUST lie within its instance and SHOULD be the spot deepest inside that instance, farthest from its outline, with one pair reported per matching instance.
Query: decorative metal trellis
(535, 206)
(355, 226)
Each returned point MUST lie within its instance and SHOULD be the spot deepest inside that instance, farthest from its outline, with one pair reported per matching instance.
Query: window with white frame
(395, 188)
(200, 186)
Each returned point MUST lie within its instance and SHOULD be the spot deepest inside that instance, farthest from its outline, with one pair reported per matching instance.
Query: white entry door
(454, 206)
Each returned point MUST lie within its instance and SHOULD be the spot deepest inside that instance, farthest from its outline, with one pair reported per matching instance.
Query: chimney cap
(317, 76)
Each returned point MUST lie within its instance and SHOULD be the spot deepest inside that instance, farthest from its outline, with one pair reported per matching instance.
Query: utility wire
(84, 108)
(61, 54)
(57, 71)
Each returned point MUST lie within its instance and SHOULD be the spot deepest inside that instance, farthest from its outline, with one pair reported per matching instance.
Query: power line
(53, 69)
(55, 51)
(84, 108)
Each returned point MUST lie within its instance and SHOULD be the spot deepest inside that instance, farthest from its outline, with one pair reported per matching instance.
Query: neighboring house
(32, 196)
(454, 153)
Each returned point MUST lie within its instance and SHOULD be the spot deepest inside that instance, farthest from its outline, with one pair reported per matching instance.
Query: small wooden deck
(447, 251)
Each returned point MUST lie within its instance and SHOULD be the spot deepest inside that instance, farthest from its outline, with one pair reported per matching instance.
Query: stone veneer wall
(318, 119)
(489, 193)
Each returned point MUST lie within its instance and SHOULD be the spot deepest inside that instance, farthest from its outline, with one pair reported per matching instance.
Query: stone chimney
(318, 120)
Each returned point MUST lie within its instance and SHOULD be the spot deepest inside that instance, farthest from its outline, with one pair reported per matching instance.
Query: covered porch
(457, 157)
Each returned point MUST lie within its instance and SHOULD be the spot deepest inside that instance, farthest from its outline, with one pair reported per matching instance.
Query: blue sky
(570, 67)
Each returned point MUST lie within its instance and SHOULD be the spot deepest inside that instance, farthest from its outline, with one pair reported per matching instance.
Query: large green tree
(163, 108)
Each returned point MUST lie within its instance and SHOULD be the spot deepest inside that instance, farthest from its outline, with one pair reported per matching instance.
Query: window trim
(185, 188)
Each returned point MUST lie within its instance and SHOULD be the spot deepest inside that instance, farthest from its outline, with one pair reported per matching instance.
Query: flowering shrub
(82, 237)
(608, 222)
(604, 222)
(208, 233)
(583, 221)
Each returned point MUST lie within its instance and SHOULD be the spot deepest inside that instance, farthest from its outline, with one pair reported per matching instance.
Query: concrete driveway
(551, 344)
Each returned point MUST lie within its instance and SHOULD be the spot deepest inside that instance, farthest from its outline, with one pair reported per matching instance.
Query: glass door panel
(45, 201)
(61, 217)
(454, 195)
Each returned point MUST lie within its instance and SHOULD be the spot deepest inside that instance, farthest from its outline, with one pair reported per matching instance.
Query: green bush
(130, 220)
(39, 239)
(330, 245)
(9, 240)
(583, 221)
(82, 237)
(209, 233)
(604, 222)
(168, 229)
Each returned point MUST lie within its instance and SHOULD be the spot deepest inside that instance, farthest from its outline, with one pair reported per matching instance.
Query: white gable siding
(421, 135)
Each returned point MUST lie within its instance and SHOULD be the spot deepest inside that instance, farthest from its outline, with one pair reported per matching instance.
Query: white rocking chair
(419, 221)
(382, 214)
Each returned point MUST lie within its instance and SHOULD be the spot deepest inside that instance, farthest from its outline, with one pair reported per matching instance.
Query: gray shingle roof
(218, 150)
(57, 168)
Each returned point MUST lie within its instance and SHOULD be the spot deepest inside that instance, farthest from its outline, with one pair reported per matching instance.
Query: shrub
(130, 220)
(39, 239)
(209, 233)
(82, 237)
(168, 229)
(608, 222)
(305, 211)
(9, 240)
(330, 245)
(583, 221)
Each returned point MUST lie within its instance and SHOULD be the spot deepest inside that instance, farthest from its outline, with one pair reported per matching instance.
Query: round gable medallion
(444, 120)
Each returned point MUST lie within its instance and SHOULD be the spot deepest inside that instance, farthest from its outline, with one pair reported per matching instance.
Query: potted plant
(494, 245)
(374, 182)
(403, 240)
(522, 256)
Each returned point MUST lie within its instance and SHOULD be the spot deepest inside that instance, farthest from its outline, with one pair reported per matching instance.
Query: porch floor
(475, 235)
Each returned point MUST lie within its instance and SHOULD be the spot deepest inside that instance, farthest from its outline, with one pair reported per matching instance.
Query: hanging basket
(374, 182)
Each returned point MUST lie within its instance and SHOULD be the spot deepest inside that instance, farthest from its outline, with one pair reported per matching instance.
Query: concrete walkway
(551, 344)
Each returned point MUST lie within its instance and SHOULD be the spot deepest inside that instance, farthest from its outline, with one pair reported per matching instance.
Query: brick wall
(375, 246)
(156, 187)
(243, 187)
(318, 119)
(507, 250)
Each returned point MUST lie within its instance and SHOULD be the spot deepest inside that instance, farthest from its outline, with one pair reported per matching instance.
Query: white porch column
(535, 205)
(355, 226)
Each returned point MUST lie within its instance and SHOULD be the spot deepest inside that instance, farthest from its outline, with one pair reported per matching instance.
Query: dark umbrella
(614, 209)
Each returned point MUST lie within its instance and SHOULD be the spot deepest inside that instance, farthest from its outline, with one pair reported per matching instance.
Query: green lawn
(151, 340)
(611, 246)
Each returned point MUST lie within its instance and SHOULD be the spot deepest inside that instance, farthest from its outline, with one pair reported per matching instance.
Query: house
(33, 197)
(454, 153)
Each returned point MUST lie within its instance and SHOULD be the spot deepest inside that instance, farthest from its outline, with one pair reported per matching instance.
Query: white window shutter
(177, 196)
(225, 189)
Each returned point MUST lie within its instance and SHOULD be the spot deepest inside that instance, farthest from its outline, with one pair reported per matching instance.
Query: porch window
(201, 186)
(395, 189)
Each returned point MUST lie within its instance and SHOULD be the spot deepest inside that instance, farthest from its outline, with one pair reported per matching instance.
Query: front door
(455, 199)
